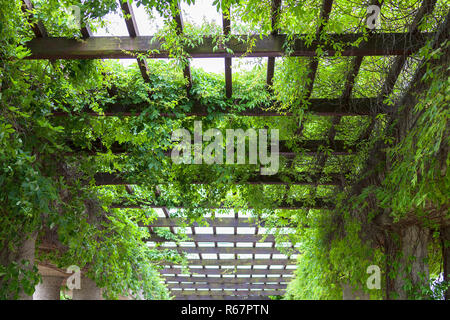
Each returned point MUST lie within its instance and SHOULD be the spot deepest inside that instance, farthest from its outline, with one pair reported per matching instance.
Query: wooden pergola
(254, 277)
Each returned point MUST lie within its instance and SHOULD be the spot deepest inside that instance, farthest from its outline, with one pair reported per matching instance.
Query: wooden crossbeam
(223, 222)
(258, 280)
(225, 286)
(105, 178)
(225, 250)
(236, 262)
(314, 63)
(324, 107)
(133, 31)
(310, 147)
(219, 238)
(37, 27)
(380, 44)
(275, 11)
(231, 298)
(226, 25)
(228, 292)
(187, 69)
(179, 271)
(398, 64)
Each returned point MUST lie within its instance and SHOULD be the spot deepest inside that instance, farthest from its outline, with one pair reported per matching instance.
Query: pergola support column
(49, 288)
(409, 252)
(88, 290)
(351, 293)
(445, 237)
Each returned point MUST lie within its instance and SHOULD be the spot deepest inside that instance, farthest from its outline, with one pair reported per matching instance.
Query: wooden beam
(222, 222)
(226, 286)
(275, 11)
(226, 26)
(37, 26)
(258, 280)
(194, 271)
(314, 63)
(225, 250)
(381, 44)
(310, 147)
(228, 292)
(236, 262)
(133, 31)
(218, 238)
(323, 107)
(105, 178)
(187, 69)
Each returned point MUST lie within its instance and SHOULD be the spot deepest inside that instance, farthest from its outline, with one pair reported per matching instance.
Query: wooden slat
(314, 63)
(178, 271)
(324, 107)
(228, 292)
(380, 44)
(187, 69)
(310, 147)
(133, 31)
(37, 27)
(275, 11)
(257, 280)
(398, 64)
(236, 262)
(225, 286)
(294, 205)
(225, 250)
(104, 178)
(219, 238)
(226, 25)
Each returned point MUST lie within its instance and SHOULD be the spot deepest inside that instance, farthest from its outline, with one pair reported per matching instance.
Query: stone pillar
(445, 237)
(412, 262)
(350, 293)
(88, 290)
(23, 250)
(49, 288)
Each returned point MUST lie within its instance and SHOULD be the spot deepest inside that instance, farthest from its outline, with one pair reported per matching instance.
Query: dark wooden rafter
(133, 31)
(309, 147)
(398, 64)
(105, 178)
(179, 29)
(226, 286)
(346, 95)
(195, 271)
(322, 107)
(38, 27)
(229, 280)
(275, 11)
(314, 63)
(285, 205)
(226, 25)
(235, 262)
(224, 250)
(380, 44)
(220, 238)
(229, 292)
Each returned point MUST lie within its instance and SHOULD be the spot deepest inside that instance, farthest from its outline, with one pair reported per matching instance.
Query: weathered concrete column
(49, 288)
(24, 250)
(445, 237)
(88, 290)
(412, 262)
(350, 293)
